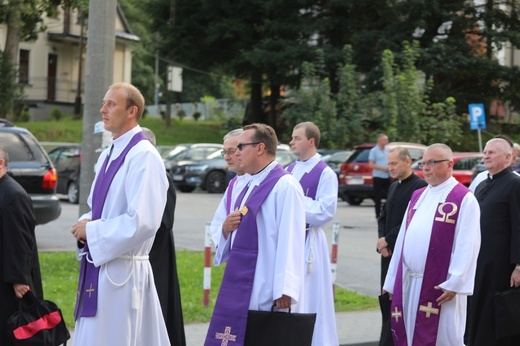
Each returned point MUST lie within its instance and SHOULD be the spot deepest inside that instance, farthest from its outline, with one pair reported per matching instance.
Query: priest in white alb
(117, 301)
(433, 268)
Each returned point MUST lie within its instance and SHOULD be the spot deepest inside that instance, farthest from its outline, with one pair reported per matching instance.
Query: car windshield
(21, 148)
(215, 155)
(359, 155)
(171, 154)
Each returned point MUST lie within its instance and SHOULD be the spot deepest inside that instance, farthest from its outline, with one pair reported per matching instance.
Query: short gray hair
(402, 152)
(233, 133)
(444, 148)
(149, 133)
(4, 155)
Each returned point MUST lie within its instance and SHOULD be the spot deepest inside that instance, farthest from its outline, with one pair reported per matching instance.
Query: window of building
(23, 69)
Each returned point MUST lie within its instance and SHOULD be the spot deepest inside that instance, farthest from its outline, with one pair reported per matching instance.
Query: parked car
(67, 161)
(355, 177)
(32, 168)
(336, 159)
(463, 164)
(188, 152)
(211, 174)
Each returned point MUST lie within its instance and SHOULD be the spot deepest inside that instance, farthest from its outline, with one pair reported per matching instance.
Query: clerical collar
(260, 171)
(406, 179)
(500, 174)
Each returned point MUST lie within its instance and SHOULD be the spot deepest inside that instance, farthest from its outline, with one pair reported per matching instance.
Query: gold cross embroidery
(90, 290)
(429, 309)
(396, 313)
(226, 336)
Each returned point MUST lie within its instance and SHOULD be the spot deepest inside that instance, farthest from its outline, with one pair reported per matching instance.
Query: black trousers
(381, 186)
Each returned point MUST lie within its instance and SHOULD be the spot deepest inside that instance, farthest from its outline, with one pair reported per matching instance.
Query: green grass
(60, 274)
(180, 131)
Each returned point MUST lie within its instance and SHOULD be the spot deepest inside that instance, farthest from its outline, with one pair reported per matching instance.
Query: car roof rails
(5, 123)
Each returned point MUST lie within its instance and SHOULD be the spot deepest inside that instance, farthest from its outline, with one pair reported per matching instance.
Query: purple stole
(229, 193)
(229, 319)
(89, 274)
(435, 271)
(309, 181)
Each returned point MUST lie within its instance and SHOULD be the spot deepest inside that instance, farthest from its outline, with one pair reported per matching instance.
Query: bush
(181, 114)
(56, 114)
(24, 116)
(196, 115)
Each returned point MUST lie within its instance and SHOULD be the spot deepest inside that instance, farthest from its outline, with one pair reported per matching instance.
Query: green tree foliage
(9, 90)
(350, 104)
(313, 102)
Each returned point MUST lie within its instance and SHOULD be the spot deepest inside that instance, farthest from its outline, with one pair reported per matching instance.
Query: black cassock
(18, 251)
(499, 200)
(164, 266)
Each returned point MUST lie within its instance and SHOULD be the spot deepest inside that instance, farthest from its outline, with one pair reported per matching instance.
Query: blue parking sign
(477, 116)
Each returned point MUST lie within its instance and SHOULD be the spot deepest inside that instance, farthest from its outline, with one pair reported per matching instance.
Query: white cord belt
(311, 235)
(133, 258)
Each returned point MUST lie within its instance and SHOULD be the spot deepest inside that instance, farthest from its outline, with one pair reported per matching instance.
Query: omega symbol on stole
(445, 215)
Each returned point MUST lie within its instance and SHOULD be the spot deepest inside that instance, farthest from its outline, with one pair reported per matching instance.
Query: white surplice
(319, 297)
(461, 271)
(221, 213)
(281, 240)
(131, 215)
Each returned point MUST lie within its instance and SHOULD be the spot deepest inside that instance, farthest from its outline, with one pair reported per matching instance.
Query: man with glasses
(265, 253)
(226, 218)
(433, 269)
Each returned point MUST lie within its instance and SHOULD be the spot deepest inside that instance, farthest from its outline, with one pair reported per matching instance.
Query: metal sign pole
(479, 141)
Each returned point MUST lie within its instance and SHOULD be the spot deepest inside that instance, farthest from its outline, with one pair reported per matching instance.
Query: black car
(67, 161)
(188, 152)
(211, 174)
(32, 168)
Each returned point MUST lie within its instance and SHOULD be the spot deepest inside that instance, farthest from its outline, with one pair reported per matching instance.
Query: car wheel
(186, 188)
(73, 193)
(353, 200)
(216, 182)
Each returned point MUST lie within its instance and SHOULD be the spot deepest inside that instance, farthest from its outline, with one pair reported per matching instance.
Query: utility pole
(77, 103)
(99, 76)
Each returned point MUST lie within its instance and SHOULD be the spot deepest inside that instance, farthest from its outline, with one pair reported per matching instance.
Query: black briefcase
(39, 323)
(507, 313)
(276, 328)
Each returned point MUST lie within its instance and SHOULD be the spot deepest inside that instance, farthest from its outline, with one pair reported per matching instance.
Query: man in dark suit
(392, 212)
(19, 264)
(164, 265)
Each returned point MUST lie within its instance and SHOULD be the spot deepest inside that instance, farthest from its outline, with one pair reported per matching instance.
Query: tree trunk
(257, 113)
(274, 109)
(12, 42)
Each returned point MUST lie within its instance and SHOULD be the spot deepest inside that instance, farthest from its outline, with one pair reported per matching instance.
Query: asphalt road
(358, 266)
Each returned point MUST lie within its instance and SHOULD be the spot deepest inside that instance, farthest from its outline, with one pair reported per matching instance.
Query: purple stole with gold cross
(309, 181)
(229, 193)
(435, 271)
(89, 274)
(229, 319)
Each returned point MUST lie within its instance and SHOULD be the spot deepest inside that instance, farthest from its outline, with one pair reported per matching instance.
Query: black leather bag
(276, 328)
(507, 313)
(38, 323)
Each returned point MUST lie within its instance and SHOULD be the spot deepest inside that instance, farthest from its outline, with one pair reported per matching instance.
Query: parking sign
(477, 116)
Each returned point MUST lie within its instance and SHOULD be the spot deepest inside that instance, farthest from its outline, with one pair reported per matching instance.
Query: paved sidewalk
(354, 328)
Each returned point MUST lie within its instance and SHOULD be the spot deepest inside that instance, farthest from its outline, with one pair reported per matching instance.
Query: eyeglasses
(430, 163)
(229, 152)
(241, 145)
